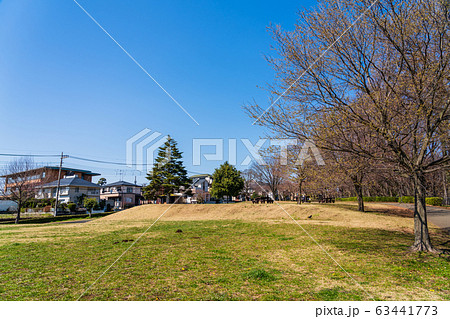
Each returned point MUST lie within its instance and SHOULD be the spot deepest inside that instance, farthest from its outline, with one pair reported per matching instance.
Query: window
(77, 189)
(129, 189)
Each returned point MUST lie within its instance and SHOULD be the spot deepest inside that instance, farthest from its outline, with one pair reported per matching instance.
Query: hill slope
(330, 214)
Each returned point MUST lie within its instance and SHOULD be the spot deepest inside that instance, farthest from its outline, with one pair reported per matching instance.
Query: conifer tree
(168, 174)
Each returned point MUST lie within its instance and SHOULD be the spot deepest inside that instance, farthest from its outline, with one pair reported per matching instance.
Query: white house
(121, 194)
(201, 185)
(71, 188)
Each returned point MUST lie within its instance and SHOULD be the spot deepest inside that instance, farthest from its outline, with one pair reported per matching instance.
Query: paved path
(438, 216)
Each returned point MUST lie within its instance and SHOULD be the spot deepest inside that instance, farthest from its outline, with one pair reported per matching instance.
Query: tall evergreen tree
(168, 173)
(227, 181)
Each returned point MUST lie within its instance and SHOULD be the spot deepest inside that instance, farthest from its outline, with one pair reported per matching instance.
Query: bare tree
(249, 183)
(270, 174)
(385, 76)
(18, 184)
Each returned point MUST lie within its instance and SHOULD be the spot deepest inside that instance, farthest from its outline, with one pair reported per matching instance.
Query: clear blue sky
(66, 86)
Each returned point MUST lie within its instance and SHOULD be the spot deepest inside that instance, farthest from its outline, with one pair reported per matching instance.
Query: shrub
(370, 199)
(386, 199)
(90, 203)
(72, 207)
(435, 201)
(347, 199)
(381, 199)
(406, 199)
(254, 195)
(200, 199)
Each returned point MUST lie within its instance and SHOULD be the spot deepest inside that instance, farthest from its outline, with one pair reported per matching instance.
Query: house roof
(71, 181)
(200, 176)
(73, 170)
(86, 172)
(121, 183)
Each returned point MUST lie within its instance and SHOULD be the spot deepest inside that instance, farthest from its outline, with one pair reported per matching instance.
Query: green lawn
(215, 260)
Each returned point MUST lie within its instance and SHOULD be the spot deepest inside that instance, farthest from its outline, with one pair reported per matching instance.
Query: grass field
(224, 252)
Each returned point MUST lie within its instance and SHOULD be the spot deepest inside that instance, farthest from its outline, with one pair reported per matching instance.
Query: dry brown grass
(329, 214)
(380, 216)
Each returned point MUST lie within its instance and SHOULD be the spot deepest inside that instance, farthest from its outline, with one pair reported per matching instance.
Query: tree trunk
(359, 192)
(167, 198)
(299, 199)
(422, 241)
(19, 207)
(444, 179)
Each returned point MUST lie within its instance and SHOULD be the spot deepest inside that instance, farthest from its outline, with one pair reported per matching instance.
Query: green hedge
(381, 199)
(346, 199)
(370, 199)
(406, 199)
(435, 201)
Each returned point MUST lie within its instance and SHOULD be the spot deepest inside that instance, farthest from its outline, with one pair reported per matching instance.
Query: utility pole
(59, 181)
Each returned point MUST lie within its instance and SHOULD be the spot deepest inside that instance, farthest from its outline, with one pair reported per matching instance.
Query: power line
(28, 155)
(83, 159)
(100, 161)
(113, 163)
(73, 157)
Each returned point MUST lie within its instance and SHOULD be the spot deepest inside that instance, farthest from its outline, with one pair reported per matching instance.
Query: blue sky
(66, 86)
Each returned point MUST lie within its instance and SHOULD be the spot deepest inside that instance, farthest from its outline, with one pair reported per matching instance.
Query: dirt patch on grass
(404, 294)
(397, 211)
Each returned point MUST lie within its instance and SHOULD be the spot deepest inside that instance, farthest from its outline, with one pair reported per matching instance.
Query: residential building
(201, 185)
(48, 174)
(121, 194)
(71, 189)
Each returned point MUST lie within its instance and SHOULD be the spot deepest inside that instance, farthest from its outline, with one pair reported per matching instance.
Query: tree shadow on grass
(386, 211)
(374, 241)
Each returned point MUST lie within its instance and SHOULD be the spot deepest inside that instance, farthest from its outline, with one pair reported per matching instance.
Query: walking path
(437, 215)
